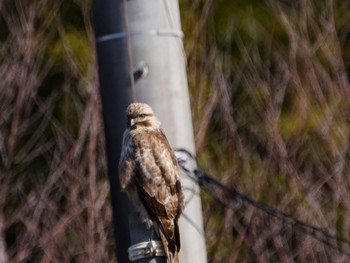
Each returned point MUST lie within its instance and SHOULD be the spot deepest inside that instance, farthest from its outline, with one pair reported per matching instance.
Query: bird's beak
(132, 122)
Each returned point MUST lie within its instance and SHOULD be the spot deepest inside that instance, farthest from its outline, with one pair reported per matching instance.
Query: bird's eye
(142, 115)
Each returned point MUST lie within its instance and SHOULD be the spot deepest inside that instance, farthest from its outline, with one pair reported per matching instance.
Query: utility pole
(156, 39)
(151, 38)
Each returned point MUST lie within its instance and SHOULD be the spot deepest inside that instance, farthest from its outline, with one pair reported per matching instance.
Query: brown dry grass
(271, 117)
(54, 194)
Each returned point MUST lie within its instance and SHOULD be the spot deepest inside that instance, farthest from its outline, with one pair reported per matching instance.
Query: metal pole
(115, 94)
(156, 39)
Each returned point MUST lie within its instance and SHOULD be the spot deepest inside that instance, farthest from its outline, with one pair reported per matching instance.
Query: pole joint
(151, 32)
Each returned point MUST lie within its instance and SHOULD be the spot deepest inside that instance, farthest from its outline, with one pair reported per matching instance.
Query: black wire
(208, 183)
(319, 234)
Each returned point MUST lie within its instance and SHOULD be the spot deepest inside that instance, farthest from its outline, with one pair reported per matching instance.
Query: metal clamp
(146, 249)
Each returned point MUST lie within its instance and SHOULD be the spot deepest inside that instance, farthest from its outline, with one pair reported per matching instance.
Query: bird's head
(141, 115)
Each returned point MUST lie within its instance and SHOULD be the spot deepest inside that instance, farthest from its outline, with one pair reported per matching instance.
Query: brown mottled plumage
(149, 173)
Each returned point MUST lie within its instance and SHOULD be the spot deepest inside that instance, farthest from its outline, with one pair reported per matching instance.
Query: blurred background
(270, 100)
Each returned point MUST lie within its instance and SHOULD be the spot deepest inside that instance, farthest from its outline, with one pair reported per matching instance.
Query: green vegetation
(271, 118)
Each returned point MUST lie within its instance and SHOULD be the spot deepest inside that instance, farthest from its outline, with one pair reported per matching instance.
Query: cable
(211, 186)
(319, 234)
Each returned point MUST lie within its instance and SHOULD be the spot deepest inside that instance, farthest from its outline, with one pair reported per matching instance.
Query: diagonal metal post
(115, 94)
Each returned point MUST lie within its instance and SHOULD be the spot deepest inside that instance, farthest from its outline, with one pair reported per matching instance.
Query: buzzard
(149, 173)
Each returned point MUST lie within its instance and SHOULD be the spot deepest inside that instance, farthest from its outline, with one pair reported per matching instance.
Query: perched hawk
(149, 173)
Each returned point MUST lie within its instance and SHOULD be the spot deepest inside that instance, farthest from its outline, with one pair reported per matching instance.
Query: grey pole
(151, 36)
(156, 40)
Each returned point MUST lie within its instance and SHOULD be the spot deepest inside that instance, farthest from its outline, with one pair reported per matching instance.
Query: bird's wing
(157, 173)
(126, 165)
(159, 187)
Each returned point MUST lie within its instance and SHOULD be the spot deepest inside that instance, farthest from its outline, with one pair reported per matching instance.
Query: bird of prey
(149, 173)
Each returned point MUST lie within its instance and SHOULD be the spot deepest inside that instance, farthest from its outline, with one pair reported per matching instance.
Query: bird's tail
(172, 256)
(168, 230)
